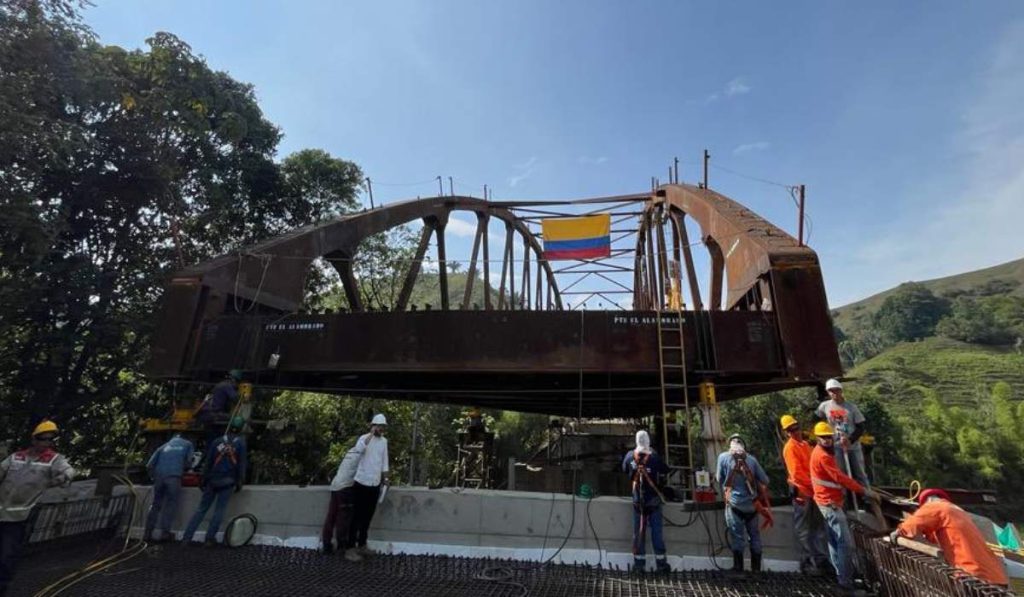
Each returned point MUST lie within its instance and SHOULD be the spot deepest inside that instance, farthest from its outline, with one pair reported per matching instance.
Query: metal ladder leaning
(675, 397)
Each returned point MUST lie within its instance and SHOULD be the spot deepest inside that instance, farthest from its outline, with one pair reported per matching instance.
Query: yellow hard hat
(45, 427)
(822, 429)
(787, 421)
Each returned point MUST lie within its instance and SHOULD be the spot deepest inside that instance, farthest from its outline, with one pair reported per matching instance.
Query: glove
(894, 536)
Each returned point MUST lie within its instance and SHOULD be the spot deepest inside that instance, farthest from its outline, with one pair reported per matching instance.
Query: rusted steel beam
(343, 264)
(471, 275)
(414, 266)
(442, 266)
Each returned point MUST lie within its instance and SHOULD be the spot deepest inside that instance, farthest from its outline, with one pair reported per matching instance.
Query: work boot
(755, 561)
(661, 564)
(326, 549)
(352, 555)
(737, 562)
(365, 551)
(639, 565)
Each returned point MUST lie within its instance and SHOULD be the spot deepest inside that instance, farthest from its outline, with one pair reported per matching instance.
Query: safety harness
(762, 505)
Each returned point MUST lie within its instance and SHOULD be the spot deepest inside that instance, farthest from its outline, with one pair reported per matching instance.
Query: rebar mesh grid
(175, 570)
(901, 572)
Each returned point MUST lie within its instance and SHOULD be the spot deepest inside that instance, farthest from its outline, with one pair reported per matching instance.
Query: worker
(166, 466)
(371, 476)
(808, 524)
(848, 422)
(476, 429)
(223, 473)
(829, 482)
(339, 510)
(963, 546)
(216, 408)
(743, 482)
(24, 476)
(645, 469)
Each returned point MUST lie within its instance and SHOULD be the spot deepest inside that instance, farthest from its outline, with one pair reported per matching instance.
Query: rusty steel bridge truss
(536, 343)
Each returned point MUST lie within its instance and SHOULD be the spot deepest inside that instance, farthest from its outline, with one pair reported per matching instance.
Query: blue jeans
(12, 535)
(856, 463)
(840, 544)
(165, 505)
(811, 534)
(643, 519)
(740, 526)
(222, 495)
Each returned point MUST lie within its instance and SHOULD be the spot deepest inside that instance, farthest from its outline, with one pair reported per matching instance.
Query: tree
(970, 321)
(909, 313)
(116, 167)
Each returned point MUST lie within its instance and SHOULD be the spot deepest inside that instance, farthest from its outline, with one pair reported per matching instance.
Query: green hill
(1007, 278)
(958, 372)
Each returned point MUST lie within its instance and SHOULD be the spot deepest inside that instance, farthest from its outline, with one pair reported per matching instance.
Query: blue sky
(904, 119)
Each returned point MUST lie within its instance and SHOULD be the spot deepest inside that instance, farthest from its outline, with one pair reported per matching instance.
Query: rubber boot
(755, 561)
(639, 565)
(737, 562)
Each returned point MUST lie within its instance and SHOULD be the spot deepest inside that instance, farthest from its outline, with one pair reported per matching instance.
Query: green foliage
(970, 321)
(118, 167)
(910, 313)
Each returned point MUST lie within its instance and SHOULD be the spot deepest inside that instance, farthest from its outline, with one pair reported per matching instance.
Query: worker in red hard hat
(24, 476)
(945, 524)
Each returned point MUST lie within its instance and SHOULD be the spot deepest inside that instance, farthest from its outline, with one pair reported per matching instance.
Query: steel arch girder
(279, 285)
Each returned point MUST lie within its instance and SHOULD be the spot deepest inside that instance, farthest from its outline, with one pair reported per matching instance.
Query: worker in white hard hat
(371, 476)
(848, 423)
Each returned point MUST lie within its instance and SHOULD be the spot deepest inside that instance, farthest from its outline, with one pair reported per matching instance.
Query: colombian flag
(588, 237)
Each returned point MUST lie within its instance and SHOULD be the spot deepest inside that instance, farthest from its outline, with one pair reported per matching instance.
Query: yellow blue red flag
(588, 237)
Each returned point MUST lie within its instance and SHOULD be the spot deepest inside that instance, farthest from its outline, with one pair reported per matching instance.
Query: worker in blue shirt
(216, 408)
(166, 466)
(223, 473)
(645, 469)
(740, 476)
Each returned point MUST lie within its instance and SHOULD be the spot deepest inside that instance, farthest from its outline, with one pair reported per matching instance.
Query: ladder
(675, 400)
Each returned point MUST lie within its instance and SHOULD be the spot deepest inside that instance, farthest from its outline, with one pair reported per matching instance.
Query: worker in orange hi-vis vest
(963, 546)
(829, 482)
(808, 524)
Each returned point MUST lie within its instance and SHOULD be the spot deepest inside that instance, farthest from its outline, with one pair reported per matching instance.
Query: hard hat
(237, 422)
(823, 429)
(929, 493)
(235, 374)
(787, 421)
(833, 384)
(738, 438)
(46, 426)
(379, 419)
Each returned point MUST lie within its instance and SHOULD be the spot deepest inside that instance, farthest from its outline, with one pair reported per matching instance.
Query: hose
(126, 553)
(914, 493)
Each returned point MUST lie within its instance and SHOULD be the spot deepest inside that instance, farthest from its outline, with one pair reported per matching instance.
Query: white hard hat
(833, 384)
(379, 420)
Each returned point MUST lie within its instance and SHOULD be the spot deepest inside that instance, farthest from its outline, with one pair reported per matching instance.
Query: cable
(126, 553)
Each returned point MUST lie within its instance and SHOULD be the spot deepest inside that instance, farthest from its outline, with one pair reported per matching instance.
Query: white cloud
(525, 171)
(977, 226)
(589, 161)
(748, 147)
(737, 86)
(460, 228)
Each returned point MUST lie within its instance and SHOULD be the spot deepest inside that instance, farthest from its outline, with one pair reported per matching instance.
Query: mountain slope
(1008, 276)
(958, 372)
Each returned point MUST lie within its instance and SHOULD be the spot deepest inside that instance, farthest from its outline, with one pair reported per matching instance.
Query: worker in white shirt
(371, 475)
(342, 502)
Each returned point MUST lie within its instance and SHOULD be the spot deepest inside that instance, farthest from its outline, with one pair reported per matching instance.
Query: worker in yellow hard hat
(24, 476)
(829, 482)
(808, 523)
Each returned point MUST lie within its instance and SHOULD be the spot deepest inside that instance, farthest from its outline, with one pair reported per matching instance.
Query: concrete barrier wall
(521, 525)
